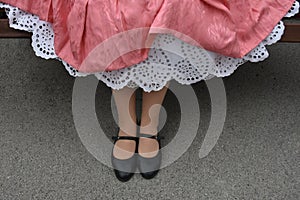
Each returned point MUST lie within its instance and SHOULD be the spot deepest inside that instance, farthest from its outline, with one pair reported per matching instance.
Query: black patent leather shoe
(149, 167)
(124, 168)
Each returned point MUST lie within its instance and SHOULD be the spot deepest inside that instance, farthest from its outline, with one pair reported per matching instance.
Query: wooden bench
(292, 32)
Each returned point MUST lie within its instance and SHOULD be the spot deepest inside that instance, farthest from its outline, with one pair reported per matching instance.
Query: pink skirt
(147, 43)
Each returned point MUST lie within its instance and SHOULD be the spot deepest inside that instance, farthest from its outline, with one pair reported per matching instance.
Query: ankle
(127, 132)
(152, 131)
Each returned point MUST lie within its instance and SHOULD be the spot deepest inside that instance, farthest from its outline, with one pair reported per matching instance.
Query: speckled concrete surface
(256, 157)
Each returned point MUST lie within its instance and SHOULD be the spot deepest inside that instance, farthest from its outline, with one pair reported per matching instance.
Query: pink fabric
(229, 27)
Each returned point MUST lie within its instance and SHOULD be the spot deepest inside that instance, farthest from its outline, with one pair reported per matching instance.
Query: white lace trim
(169, 57)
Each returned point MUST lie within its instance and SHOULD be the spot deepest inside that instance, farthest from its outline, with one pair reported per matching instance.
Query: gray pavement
(256, 157)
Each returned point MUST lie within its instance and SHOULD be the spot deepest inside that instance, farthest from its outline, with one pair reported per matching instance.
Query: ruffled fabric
(169, 57)
(98, 35)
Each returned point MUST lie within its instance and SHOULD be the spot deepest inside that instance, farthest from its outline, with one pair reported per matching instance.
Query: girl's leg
(125, 103)
(150, 119)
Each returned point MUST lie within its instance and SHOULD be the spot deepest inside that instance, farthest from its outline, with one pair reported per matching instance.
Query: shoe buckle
(115, 137)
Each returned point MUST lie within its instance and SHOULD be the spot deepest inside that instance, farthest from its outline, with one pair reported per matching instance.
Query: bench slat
(292, 32)
(7, 32)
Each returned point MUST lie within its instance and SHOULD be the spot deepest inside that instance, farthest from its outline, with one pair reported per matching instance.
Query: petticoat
(169, 57)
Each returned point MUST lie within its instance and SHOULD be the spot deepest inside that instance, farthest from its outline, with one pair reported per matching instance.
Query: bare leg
(150, 119)
(125, 103)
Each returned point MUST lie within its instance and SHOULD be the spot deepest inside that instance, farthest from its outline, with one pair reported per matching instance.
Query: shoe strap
(157, 137)
(124, 138)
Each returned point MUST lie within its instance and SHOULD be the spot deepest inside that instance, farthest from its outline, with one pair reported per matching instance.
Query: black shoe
(124, 168)
(149, 167)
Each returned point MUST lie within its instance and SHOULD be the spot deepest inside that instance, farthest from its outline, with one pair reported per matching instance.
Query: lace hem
(169, 58)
